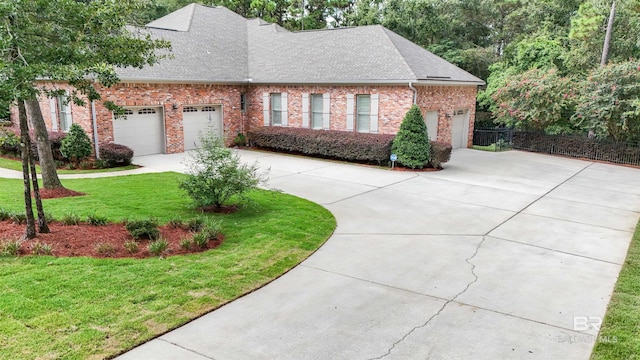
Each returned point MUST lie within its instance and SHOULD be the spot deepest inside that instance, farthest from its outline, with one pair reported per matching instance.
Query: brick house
(228, 74)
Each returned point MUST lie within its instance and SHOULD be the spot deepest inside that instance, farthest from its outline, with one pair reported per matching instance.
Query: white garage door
(200, 120)
(142, 130)
(431, 118)
(460, 129)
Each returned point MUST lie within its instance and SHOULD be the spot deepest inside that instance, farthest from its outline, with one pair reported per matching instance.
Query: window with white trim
(276, 108)
(188, 109)
(64, 112)
(363, 113)
(316, 111)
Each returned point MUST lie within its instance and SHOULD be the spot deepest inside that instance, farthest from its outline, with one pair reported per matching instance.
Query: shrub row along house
(228, 74)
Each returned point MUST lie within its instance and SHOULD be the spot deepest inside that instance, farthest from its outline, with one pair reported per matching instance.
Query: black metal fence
(578, 146)
(492, 139)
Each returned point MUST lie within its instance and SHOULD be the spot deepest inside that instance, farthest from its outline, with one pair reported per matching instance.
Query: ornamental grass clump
(411, 144)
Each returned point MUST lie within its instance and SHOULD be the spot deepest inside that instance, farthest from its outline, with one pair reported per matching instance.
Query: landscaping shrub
(216, 174)
(55, 141)
(115, 154)
(96, 220)
(76, 146)
(39, 248)
(10, 248)
(411, 144)
(345, 145)
(69, 219)
(131, 246)
(158, 247)
(9, 143)
(105, 249)
(240, 140)
(143, 229)
(440, 154)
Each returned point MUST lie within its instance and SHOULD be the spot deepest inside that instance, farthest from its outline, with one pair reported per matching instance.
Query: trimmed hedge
(345, 145)
(440, 154)
(115, 154)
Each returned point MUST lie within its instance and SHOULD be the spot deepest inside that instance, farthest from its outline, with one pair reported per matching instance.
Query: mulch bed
(85, 240)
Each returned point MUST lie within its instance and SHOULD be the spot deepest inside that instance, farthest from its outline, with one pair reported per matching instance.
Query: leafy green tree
(76, 146)
(536, 100)
(77, 42)
(411, 144)
(216, 174)
(609, 104)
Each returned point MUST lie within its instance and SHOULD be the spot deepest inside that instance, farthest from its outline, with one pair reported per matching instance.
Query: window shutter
(326, 111)
(373, 125)
(265, 108)
(305, 110)
(285, 113)
(350, 107)
(54, 115)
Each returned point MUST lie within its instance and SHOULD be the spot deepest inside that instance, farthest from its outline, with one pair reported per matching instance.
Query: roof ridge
(191, 8)
(404, 60)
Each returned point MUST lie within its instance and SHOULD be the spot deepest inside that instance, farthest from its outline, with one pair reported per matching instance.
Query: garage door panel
(200, 120)
(459, 129)
(142, 130)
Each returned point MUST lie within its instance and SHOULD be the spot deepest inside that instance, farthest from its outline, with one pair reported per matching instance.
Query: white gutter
(415, 93)
(95, 129)
(294, 82)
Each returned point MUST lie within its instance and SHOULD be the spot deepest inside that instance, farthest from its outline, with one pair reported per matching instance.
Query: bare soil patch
(87, 240)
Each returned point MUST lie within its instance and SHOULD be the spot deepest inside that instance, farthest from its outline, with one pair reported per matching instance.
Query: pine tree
(411, 144)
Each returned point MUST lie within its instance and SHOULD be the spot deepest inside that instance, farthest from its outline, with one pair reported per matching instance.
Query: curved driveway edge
(500, 256)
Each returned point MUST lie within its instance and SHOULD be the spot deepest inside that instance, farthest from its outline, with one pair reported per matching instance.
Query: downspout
(95, 128)
(415, 93)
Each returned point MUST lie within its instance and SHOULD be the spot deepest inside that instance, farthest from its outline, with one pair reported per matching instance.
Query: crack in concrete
(187, 349)
(426, 323)
(473, 266)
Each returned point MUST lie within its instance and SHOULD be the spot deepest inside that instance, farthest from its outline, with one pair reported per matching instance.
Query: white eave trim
(324, 82)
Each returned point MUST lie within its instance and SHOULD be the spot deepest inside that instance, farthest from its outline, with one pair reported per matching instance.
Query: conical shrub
(411, 144)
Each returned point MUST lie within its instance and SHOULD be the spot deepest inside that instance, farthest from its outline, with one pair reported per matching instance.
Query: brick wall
(448, 99)
(394, 102)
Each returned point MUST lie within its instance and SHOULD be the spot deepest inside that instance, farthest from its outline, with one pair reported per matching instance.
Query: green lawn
(79, 308)
(620, 333)
(17, 165)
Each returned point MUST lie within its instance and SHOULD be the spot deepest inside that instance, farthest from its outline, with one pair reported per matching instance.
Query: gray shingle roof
(213, 44)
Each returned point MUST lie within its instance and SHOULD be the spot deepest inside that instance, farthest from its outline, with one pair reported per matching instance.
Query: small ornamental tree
(76, 146)
(609, 103)
(536, 100)
(216, 174)
(411, 144)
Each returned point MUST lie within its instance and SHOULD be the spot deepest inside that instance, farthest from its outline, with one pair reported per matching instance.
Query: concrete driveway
(500, 256)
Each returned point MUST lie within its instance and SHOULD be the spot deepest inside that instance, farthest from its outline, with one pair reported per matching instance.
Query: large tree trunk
(607, 37)
(50, 178)
(25, 141)
(43, 227)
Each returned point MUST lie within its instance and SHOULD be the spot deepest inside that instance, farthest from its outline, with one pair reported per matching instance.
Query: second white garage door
(460, 129)
(142, 130)
(200, 120)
